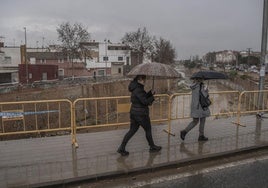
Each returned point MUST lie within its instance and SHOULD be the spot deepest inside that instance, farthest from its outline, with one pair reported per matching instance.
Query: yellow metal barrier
(29, 117)
(248, 103)
(91, 113)
(224, 103)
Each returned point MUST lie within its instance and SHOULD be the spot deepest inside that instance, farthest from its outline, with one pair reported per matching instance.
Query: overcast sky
(194, 27)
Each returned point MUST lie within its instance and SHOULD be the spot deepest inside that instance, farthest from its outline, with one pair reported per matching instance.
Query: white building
(9, 60)
(226, 56)
(10, 56)
(108, 59)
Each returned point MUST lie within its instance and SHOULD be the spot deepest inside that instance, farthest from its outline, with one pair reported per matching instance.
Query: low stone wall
(85, 90)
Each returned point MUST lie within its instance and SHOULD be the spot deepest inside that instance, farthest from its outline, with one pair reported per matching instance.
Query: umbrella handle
(153, 84)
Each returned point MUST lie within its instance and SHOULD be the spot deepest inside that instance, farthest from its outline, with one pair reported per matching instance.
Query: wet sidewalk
(52, 160)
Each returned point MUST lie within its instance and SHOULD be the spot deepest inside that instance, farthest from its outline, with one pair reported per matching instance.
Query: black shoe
(183, 134)
(202, 138)
(155, 148)
(123, 152)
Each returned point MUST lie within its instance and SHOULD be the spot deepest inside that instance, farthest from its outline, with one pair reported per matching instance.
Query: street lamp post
(106, 58)
(263, 52)
(26, 62)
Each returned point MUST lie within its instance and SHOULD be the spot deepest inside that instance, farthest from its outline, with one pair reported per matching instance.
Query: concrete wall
(115, 88)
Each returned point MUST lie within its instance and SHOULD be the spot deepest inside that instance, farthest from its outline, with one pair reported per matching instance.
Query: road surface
(246, 170)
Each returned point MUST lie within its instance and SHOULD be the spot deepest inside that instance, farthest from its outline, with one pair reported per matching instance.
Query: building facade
(97, 59)
(9, 60)
(108, 59)
(37, 73)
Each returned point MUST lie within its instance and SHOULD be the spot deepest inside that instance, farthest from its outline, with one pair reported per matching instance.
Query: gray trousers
(194, 123)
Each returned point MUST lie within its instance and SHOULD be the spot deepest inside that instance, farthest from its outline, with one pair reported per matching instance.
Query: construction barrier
(54, 117)
(94, 113)
(36, 117)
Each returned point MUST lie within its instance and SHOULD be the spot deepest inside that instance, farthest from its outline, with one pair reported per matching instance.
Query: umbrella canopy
(209, 75)
(154, 69)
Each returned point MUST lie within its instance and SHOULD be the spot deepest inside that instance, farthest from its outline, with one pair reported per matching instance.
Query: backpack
(205, 102)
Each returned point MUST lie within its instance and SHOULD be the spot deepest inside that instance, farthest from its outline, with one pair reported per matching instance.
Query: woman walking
(139, 114)
(198, 113)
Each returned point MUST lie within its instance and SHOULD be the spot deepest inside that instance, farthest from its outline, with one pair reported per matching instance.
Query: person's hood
(133, 85)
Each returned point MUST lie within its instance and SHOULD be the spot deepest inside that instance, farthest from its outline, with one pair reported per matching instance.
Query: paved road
(240, 171)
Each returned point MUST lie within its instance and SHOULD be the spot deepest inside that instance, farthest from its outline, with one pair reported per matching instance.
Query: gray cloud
(193, 27)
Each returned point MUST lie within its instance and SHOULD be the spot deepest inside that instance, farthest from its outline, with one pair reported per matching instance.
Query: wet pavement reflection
(52, 160)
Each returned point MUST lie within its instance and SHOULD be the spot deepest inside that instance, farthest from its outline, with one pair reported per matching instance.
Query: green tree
(210, 58)
(189, 64)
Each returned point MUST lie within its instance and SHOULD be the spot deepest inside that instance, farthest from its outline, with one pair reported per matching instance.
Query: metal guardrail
(248, 103)
(92, 113)
(29, 117)
(224, 103)
(42, 117)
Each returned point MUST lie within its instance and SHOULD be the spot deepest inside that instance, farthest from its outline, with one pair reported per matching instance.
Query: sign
(19, 114)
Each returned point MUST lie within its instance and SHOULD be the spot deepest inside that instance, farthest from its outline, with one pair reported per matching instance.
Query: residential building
(98, 59)
(9, 60)
(108, 59)
(226, 57)
(37, 73)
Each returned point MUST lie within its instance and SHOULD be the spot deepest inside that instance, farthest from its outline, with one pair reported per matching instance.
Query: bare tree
(140, 41)
(71, 37)
(163, 51)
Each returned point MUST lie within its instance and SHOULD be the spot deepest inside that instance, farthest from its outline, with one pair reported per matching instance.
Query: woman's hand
(153, 92)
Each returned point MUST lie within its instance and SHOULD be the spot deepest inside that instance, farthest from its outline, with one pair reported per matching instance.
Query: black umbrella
(209, 75)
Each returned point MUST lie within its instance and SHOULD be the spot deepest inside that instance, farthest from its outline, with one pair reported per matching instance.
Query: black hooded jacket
(140, 100)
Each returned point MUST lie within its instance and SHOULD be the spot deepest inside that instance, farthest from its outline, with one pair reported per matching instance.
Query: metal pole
(248, 57)
(105, 58)
(263, 52)
(26, 62)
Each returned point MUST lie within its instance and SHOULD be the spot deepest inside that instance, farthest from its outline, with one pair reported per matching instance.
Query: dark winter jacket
(140, 99)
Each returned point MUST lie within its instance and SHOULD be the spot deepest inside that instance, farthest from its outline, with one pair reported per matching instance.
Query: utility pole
(263, 53)
(248, 56)
(43, 39)
(106, 58)
(26, 62)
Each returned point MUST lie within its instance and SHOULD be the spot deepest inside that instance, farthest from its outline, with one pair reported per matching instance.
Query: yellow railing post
(239, 109)
(73, 125)
(169, 116)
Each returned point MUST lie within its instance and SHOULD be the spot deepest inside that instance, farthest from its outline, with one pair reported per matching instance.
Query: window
(119, 70)
(101, 72)
(44, 76)
(60, 61)
(105, 58)
(127, 60)
(61, 72)
(120, 58)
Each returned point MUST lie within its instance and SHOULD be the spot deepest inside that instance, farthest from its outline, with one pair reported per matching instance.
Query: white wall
(14, 53)
(113, 54)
